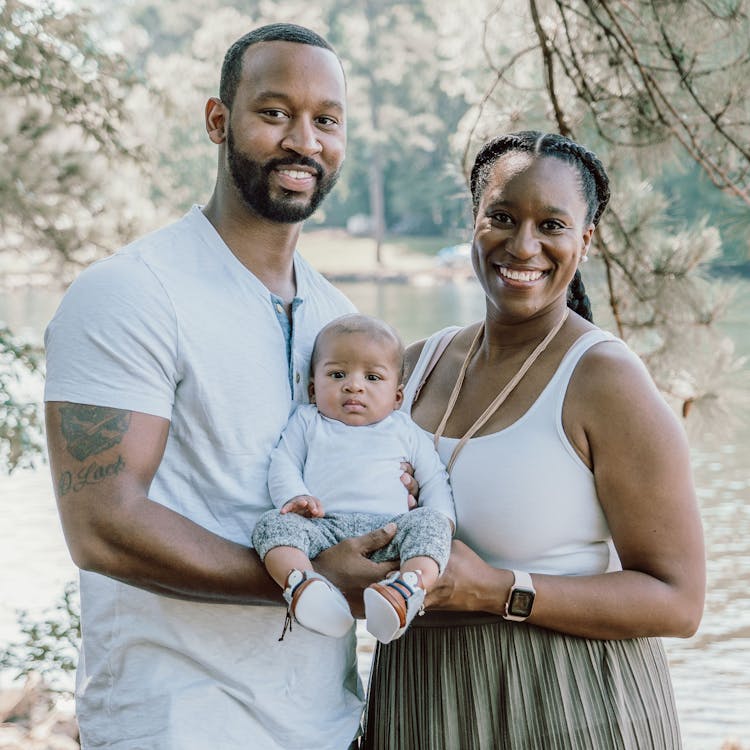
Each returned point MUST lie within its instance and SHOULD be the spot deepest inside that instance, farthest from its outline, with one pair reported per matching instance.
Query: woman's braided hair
(594, 184)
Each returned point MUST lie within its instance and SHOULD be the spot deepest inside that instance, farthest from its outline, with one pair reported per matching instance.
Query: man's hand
(304, 505)
(407, 478)
(347, 565)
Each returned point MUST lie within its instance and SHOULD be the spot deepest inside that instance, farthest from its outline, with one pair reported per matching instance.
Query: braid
(594, 184)
(578, 300)
(594, 180)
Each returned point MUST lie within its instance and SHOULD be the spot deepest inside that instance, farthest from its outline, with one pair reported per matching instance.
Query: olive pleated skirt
(460, 681)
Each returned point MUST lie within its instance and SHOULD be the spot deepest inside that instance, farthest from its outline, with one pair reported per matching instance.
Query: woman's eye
(501, 218)
(552, 225)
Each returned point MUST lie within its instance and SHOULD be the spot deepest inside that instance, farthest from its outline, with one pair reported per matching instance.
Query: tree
(400, 113)
(65, 155)
(635, 81)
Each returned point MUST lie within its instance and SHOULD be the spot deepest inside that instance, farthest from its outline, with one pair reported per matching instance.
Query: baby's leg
(286, 543)
(428, 569)
(281, 561)
(423, 539)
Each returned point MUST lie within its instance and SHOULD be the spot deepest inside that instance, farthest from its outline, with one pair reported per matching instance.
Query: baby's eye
(373, 376)
(337, 374)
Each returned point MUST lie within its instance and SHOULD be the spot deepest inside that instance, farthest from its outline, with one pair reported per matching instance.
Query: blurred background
(102, 139)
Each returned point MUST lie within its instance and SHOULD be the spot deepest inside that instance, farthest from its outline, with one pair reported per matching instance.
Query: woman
(560, 448)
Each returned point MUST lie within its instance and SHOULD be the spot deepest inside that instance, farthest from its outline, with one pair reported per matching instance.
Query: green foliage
(20, 415)
(103, 135)
(50, 646)
(635, 82)
(65, 143)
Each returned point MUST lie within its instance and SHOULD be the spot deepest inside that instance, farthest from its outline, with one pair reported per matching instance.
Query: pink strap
(442, 345)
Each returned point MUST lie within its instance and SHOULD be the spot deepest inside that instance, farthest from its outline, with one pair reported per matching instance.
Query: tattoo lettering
(91, 474)
(89, 430)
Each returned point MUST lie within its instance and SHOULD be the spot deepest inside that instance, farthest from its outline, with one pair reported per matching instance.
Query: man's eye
(327, 122)
(276, 114)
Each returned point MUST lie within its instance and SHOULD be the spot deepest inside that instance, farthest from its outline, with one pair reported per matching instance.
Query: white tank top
(524, 499)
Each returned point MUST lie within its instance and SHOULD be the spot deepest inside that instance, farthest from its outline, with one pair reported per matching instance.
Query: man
(172, 368)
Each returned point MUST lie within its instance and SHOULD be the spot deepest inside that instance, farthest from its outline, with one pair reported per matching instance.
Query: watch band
(520, 598)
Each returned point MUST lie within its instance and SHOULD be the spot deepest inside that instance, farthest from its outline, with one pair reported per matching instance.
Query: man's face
(253, 180)
(287, 129)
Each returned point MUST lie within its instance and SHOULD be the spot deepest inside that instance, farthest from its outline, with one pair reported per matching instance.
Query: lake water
(711, 671)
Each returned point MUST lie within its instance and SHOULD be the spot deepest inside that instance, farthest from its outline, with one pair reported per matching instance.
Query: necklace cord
(499, 399)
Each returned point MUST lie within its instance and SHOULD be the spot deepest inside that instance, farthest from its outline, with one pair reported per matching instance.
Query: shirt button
(279, 307)
(296, 378)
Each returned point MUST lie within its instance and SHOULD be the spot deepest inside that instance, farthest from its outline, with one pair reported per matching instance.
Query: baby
(336, 473)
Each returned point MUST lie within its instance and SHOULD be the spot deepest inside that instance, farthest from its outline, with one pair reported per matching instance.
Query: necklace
(498, 400)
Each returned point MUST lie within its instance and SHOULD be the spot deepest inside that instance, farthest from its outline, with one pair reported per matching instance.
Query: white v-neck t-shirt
(175, 326)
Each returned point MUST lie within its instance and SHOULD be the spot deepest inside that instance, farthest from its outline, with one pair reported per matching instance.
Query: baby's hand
(304, 505)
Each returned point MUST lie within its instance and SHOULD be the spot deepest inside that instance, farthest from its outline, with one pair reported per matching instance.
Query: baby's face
(357, 378)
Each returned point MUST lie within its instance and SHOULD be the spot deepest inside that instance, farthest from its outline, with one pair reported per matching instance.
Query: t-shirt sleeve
(114, 340)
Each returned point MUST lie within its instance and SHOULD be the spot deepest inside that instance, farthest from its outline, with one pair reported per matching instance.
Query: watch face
(520, 603)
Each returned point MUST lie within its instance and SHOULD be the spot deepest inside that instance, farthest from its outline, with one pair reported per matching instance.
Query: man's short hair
(231, 69)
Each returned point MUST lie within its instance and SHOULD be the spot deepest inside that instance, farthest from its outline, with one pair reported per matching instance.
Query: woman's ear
(587, 236)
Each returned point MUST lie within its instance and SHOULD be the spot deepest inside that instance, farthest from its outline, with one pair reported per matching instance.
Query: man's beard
(252, 180)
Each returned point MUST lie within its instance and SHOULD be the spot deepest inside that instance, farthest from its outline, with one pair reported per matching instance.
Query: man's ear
(311, 392)
(217, 120)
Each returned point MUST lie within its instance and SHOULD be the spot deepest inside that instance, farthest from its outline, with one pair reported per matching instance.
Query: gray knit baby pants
(421, 532)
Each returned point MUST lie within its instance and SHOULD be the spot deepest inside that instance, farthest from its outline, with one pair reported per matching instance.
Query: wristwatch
(521, 597)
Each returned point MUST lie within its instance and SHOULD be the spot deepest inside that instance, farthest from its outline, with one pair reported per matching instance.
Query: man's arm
(103, 461)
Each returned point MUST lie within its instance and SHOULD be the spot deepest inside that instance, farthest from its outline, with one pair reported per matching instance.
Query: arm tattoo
(89, 430)
(92, 473)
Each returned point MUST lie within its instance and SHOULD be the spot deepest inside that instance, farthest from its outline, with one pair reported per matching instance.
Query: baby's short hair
(358, 323)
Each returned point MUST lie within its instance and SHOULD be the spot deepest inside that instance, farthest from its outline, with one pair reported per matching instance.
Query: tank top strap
(558, 384)
(432, 346)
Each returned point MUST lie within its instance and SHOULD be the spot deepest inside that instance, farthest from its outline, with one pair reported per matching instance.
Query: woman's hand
(469, 584)
(411, 484)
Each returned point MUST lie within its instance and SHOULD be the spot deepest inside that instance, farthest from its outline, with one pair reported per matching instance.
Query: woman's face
(529, 235)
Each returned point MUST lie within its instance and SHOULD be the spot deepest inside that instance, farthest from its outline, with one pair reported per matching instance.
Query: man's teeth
(295, 174)
(509, 273)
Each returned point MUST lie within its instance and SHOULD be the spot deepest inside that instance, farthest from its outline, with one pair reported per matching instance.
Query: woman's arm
(623, 428)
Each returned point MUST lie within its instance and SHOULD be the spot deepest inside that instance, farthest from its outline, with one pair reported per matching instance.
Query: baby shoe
(392, 604)
(316, 604)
